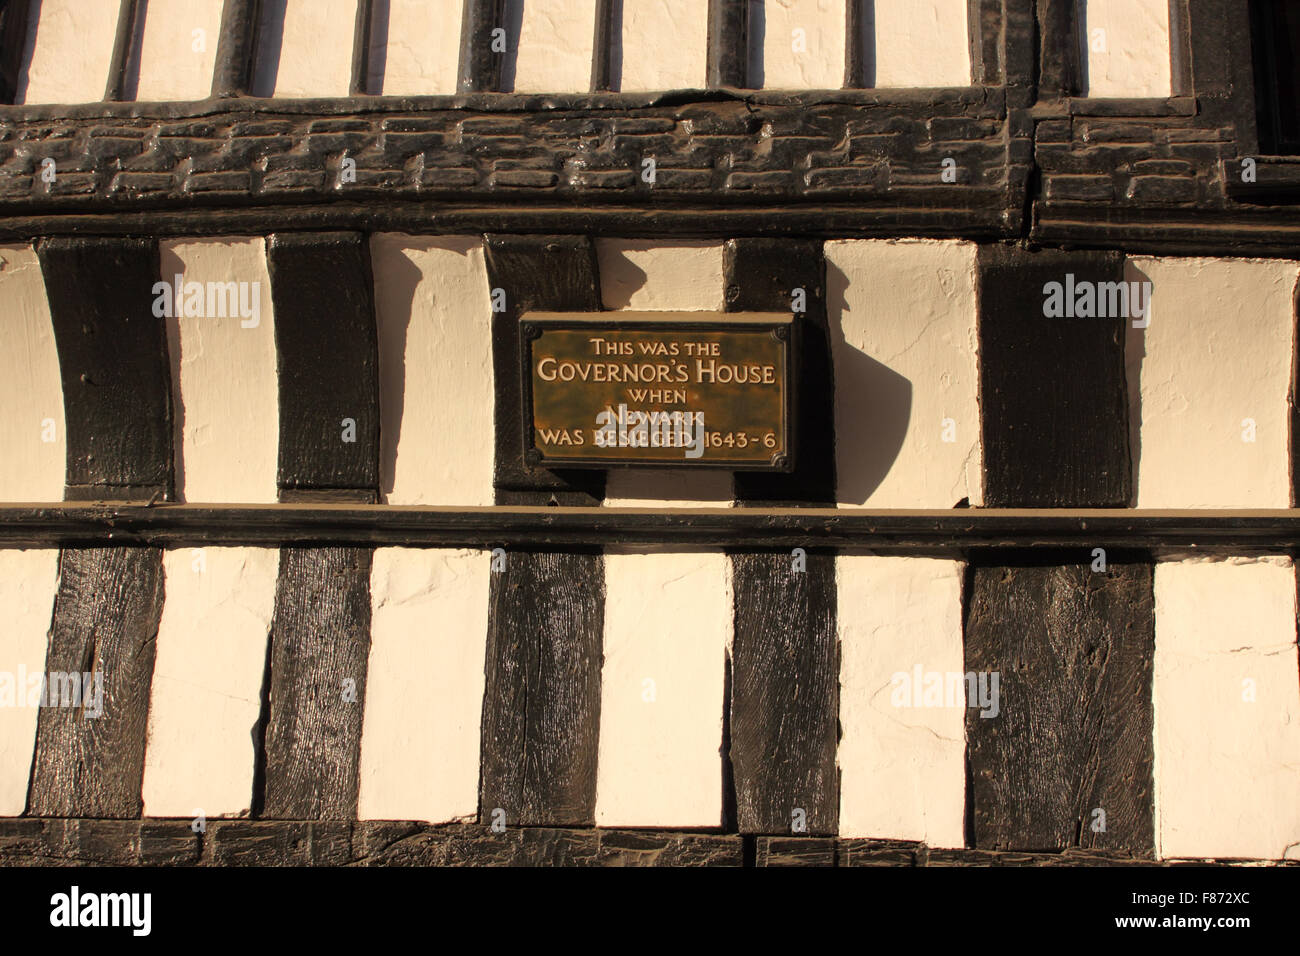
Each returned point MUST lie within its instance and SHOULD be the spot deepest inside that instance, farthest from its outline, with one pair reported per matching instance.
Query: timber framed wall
(385, 524)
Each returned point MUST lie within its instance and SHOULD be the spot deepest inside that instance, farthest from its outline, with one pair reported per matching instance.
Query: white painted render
(68, 52)
(555, 41)
(315, 52)
(178, 51)
(421, 48)
(225, 390)
(668, 630)
(661, 276)
(664, 45)
(1128, 47)
(921, 43)
(433, 313)
(1227, 768)
(904, 342)
(902, 767)
(803, 44)
(29, 581)
(1215, 358)
(34, 462)
(425, 684)
(207, 681)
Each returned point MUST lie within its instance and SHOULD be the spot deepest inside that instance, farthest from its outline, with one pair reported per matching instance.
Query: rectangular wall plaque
(697, 389)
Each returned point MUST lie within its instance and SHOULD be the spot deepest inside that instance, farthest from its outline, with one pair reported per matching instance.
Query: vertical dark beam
(13, 41)
(728, 38)
(361, 49)
(327, 357)
(1074, 650)
(859, 44)
(608, 28)
(1018, 50)
(984, 27)
(1052, 390)
(1060, 49)
(1180, 49)
(1293, 399)
(234, 67)
(117, 405)
(1071, 639)
(125, 61)
(541, 709)
(480, 67)
(784, 706)
(1222, 67)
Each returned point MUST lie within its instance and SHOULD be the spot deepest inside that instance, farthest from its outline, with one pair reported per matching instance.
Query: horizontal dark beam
(175, 525)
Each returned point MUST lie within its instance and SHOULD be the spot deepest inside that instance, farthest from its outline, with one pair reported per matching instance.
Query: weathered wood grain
(728, 39)
(327, 361)
(1061, 63)
(1073, 649)
(320, 641)
(557, 273)
(105, 622)
(1052, 389)
(113, 365)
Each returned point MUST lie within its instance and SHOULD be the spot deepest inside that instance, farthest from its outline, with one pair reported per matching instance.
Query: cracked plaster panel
(664, 45)
(435, 370)
(207, 681)
(903, 338)
(422, 48)
(921, 43)
(902, 768)
(176, 62)
(803, 45)
(29, 581)
(667, 632)
(1128, 47)
(225, 390)
(1227, 769)
(33, 465)
(425, 684)
(68, 52)
(554, 54)
(1217, 352)
(315, 52)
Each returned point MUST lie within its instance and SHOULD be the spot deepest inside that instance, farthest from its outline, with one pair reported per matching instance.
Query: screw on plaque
(781, 333)
(532, 331)
(780, 461)
(532, 457)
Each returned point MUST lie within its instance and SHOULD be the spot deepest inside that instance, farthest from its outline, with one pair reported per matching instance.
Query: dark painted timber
(1060, 52)
(113, 365)
(1070, 750)
(29, 841)
(124, 65)
(984, 24)
(317, 655)
(1052, 389)
(859, 44)
(728, 39)
(328, 359)
(784, 706)
(608, 32)
(480, 67)
(13, 38)
(948, 532)
(233, 73)
(546, 617)
(105, 623)
(361, 49)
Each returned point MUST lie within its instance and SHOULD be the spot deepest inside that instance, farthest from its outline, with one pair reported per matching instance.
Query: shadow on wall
(394, 308)
(873, 405)
(170, 264)
(1135, 350)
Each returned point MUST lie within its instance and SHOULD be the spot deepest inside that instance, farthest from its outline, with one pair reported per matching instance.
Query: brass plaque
(710, 389)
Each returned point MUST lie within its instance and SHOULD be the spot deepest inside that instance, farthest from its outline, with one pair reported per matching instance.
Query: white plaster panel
(425, 684)
(803, 44)
(226, 394)
(921, 43)
(420, 51)
(902, 766)
(178, 51)
(68, 52)
(315, 53)
(668, 625)
(29, 581)
(207, 681)
(34, 462)
(433, 312)
(904, 342)
(1216, 353)
(1128, 47)
(554, 53)
(664, 45)
(1227, 709)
